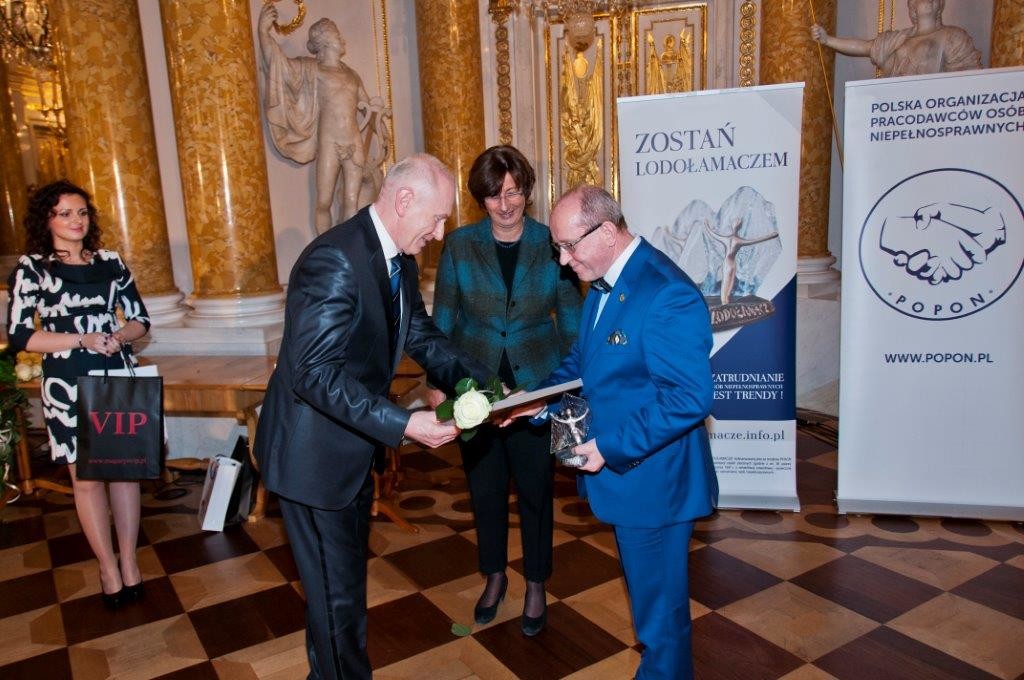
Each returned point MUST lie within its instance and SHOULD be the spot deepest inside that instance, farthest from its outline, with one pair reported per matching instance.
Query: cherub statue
(928, 46)
(317, 108)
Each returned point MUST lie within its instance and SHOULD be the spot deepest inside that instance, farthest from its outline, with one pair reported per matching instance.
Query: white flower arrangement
(28, 365)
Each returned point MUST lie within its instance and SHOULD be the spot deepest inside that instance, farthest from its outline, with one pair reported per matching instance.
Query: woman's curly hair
(41, 208)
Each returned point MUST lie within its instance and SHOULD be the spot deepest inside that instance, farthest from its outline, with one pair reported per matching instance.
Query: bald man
(353, 307)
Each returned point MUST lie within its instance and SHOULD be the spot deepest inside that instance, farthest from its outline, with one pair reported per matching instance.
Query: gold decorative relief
(748, 44)
(623, 57)
(581, 98)
(381, 53)
(581, 117)
(500, 11)
(670, 44)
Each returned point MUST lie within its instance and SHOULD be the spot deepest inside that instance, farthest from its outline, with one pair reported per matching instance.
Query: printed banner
(933, 245)
(712, 179)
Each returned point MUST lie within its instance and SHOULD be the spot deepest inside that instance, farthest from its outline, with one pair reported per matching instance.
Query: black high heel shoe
(486, 613)
(133, 593)
(113, 601)
(532, 625)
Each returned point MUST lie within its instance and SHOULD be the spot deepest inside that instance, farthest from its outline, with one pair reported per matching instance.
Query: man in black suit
(353, 306)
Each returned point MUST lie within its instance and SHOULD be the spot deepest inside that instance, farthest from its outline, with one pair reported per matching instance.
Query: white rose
(23, 372)
(471, 409)
(37, 370)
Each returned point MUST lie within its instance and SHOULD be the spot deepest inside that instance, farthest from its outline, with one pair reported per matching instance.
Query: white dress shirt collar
(613, 273)
(386, 242)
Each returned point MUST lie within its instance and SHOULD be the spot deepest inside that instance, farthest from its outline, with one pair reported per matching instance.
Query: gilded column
(789, 55)
(212, 67)
(111, 144)
(1007, 34)
(12, 178)
(451, 89)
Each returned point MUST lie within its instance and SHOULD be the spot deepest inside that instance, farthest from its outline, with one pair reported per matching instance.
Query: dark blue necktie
(396, 299)
(600, 285)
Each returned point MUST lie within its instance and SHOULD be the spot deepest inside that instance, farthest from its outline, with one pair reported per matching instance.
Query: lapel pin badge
(622, 297)
(617, 338)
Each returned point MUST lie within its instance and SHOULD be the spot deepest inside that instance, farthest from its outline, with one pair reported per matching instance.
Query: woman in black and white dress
(75, 288)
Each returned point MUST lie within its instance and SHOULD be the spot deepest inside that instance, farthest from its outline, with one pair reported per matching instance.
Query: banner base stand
(868, 506)
(735, 501)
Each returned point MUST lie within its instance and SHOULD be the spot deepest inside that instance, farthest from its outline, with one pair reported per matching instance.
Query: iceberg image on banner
(727, 253)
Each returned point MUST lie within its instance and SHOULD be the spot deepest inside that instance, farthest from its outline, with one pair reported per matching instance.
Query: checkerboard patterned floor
(774, 595)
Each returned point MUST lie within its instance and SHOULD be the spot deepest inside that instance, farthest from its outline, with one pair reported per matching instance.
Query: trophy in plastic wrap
(569, 427)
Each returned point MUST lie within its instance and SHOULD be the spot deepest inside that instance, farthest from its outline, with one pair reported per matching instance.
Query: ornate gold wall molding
(384, 78)
(112, 146)
(1007, 34)
(212, 67)
(789, 55)
(624, 58)
(747, 71)
(500, 11)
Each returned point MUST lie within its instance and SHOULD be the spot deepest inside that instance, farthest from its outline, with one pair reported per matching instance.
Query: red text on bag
(132, 419)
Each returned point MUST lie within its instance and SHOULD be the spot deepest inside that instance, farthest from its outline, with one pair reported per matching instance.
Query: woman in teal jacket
(502, 297)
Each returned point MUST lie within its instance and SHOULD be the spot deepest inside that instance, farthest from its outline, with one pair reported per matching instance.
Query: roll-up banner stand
(712, 179)
(932, 370)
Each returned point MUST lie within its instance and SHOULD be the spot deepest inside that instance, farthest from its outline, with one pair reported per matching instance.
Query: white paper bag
(221, 476)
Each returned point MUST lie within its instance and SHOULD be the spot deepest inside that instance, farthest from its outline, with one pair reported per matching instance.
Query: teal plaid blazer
(537, 326)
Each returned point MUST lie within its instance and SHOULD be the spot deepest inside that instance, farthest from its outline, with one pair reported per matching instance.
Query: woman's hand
(114, 342)
(101, 343)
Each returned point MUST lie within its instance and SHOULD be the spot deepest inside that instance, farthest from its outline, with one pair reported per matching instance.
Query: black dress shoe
(486, 613)
(133, 593)
(113, 601)
(534, 624)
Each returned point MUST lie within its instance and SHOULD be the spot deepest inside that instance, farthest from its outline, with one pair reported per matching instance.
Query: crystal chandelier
(26, 44)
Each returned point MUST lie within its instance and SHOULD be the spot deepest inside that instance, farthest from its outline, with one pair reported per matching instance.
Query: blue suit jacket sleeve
(676, 346)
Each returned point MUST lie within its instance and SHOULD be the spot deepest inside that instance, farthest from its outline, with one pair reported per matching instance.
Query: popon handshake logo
(943, 244)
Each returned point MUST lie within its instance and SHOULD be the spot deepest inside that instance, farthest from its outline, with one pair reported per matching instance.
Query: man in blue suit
(643, 354)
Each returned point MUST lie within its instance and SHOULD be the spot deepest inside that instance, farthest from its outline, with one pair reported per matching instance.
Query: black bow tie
(601, 286)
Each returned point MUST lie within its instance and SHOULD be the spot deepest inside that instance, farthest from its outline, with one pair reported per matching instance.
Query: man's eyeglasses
(570, 246)
(510, 196)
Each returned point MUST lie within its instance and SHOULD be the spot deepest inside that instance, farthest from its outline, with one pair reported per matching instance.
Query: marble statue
(317, 108)
(928, 46)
